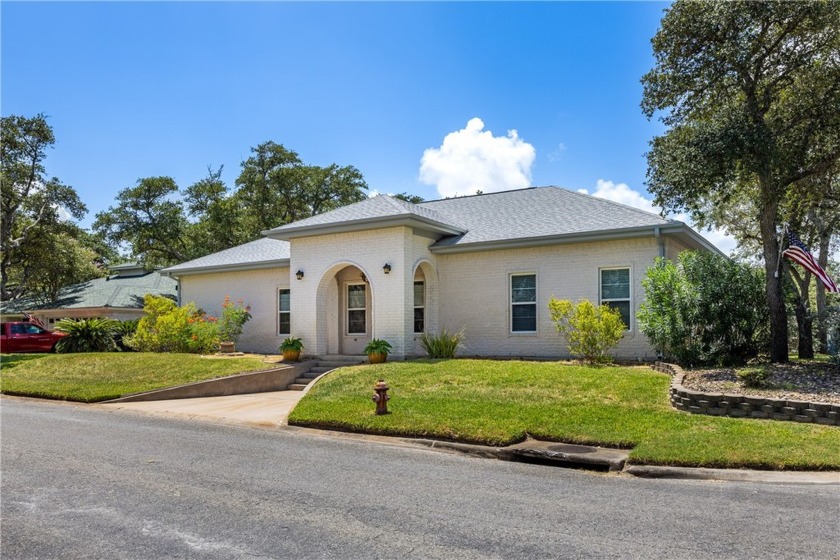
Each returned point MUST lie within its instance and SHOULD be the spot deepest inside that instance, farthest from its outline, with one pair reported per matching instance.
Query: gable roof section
(538, 213)
(378, 211)
(114, 292)
(262, 253)
(550, 215)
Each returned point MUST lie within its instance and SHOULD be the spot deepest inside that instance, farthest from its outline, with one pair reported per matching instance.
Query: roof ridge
(396, 204)
(482, 194)
(613, 202)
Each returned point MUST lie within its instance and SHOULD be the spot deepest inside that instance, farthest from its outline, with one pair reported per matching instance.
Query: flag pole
(781, 244)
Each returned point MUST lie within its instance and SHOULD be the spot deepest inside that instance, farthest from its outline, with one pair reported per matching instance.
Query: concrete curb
(734, 475)
(607, 460)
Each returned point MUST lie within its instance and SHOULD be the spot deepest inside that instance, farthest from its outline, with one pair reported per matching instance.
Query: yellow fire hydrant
(380, 397)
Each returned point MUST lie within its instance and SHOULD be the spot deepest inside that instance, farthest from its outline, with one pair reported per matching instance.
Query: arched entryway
(426, 297)
(344, 310)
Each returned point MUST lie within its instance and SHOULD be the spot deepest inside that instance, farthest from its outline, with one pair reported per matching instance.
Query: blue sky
(142, 89)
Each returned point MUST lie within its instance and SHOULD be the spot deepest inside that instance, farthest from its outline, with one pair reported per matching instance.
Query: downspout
(660, 240)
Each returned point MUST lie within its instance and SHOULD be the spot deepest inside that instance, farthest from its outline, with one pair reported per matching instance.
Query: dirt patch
(814, 382)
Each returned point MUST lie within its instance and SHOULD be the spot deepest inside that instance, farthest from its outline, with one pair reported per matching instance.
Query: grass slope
(499, 402)
(102, 376)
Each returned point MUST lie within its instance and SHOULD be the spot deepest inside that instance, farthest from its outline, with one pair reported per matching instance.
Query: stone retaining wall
(745, 406)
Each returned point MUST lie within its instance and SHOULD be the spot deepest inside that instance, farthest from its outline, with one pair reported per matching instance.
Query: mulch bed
(813, 382)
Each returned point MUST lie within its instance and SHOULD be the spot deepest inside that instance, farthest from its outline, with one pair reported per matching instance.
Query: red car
(22, 336)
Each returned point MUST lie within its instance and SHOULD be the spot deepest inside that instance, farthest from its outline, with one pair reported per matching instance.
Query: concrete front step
(321, 367)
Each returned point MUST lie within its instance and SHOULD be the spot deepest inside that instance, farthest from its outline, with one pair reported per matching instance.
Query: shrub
(169, 328)
(86, 335)
(704, 309)
(234, 316)
(124, 330)
(756, 377)
(591, 332)
(443, 345)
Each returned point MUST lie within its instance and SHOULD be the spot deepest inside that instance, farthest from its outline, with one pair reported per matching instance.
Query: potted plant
(291, 348)
(377, 350)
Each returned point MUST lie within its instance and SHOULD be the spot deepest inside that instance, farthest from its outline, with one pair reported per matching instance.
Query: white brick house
(488, 264)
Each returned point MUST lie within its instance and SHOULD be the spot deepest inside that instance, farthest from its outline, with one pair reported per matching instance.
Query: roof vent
(128, 270)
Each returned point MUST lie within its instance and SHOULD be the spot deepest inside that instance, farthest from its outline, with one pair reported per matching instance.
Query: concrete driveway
(262, 409)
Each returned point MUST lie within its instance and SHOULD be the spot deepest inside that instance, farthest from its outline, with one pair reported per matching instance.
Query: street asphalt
(88, 482)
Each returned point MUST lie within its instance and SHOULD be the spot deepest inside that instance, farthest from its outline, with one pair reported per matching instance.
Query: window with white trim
(523, 303)
(284, 307)
(356, 309)
(615, 291)
(419, 307)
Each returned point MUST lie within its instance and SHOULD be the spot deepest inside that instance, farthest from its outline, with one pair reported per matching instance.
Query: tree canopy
(750, 95)
(31, 203)
(161, 225)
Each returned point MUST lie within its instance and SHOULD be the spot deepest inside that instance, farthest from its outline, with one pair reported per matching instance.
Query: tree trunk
(773, 285)
(805, 327)
(822, 311)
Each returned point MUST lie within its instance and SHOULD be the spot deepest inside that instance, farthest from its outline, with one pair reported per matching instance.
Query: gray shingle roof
(536, 212)
(116, 291)
(371, 209)
(263, 251)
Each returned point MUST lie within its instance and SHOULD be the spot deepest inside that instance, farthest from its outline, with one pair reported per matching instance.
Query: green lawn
(97, 377)
(499, 402)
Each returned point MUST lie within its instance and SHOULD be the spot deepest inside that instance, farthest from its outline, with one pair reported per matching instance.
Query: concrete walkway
(261, 409)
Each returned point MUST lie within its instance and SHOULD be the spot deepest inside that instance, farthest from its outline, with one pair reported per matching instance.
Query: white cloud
(473, 159)
(621, 192)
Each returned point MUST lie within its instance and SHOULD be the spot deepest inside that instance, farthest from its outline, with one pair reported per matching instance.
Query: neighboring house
(488, 264)
(118, 296)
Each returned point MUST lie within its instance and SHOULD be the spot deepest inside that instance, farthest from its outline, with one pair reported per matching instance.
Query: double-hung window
(615, 291)
(356, 309)
(523, 303)
(419, 307)
(284, 322)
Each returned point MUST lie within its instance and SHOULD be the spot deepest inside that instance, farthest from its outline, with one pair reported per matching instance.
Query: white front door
(355, 317)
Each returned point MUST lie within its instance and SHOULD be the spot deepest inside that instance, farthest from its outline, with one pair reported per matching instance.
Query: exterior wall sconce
(299, 275)
(387, 268)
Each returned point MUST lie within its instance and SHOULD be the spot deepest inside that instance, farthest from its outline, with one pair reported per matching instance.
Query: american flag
(798, 252)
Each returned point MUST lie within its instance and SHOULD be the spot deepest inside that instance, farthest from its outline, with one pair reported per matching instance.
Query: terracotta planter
(291, 355)
(377, 358)
(227, 347)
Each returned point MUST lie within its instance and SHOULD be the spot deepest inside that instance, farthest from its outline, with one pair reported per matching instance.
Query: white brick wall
(475, 293)
(321, 257)
(257, 288)
(469, 290)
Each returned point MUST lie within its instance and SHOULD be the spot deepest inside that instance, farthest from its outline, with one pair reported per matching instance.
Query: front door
(355, 317)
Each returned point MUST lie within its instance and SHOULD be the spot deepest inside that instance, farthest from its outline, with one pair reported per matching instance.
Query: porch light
(299, 275)
(387, 268)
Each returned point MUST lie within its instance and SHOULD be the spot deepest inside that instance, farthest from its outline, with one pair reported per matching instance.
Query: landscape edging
(745, 406)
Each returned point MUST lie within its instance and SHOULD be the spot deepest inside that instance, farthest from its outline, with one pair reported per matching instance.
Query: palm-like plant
(86, 335)
(122, 331)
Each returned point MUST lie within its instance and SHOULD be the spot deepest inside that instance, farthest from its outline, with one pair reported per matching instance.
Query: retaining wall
(745, 406)
(275, 379)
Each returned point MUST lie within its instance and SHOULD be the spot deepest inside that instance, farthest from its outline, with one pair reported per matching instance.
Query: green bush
(233, 319)
(443, 345)
(124, 330)
(86, 335)
(592, 332)
(755, 377)
(704, 310)
(169, 328)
